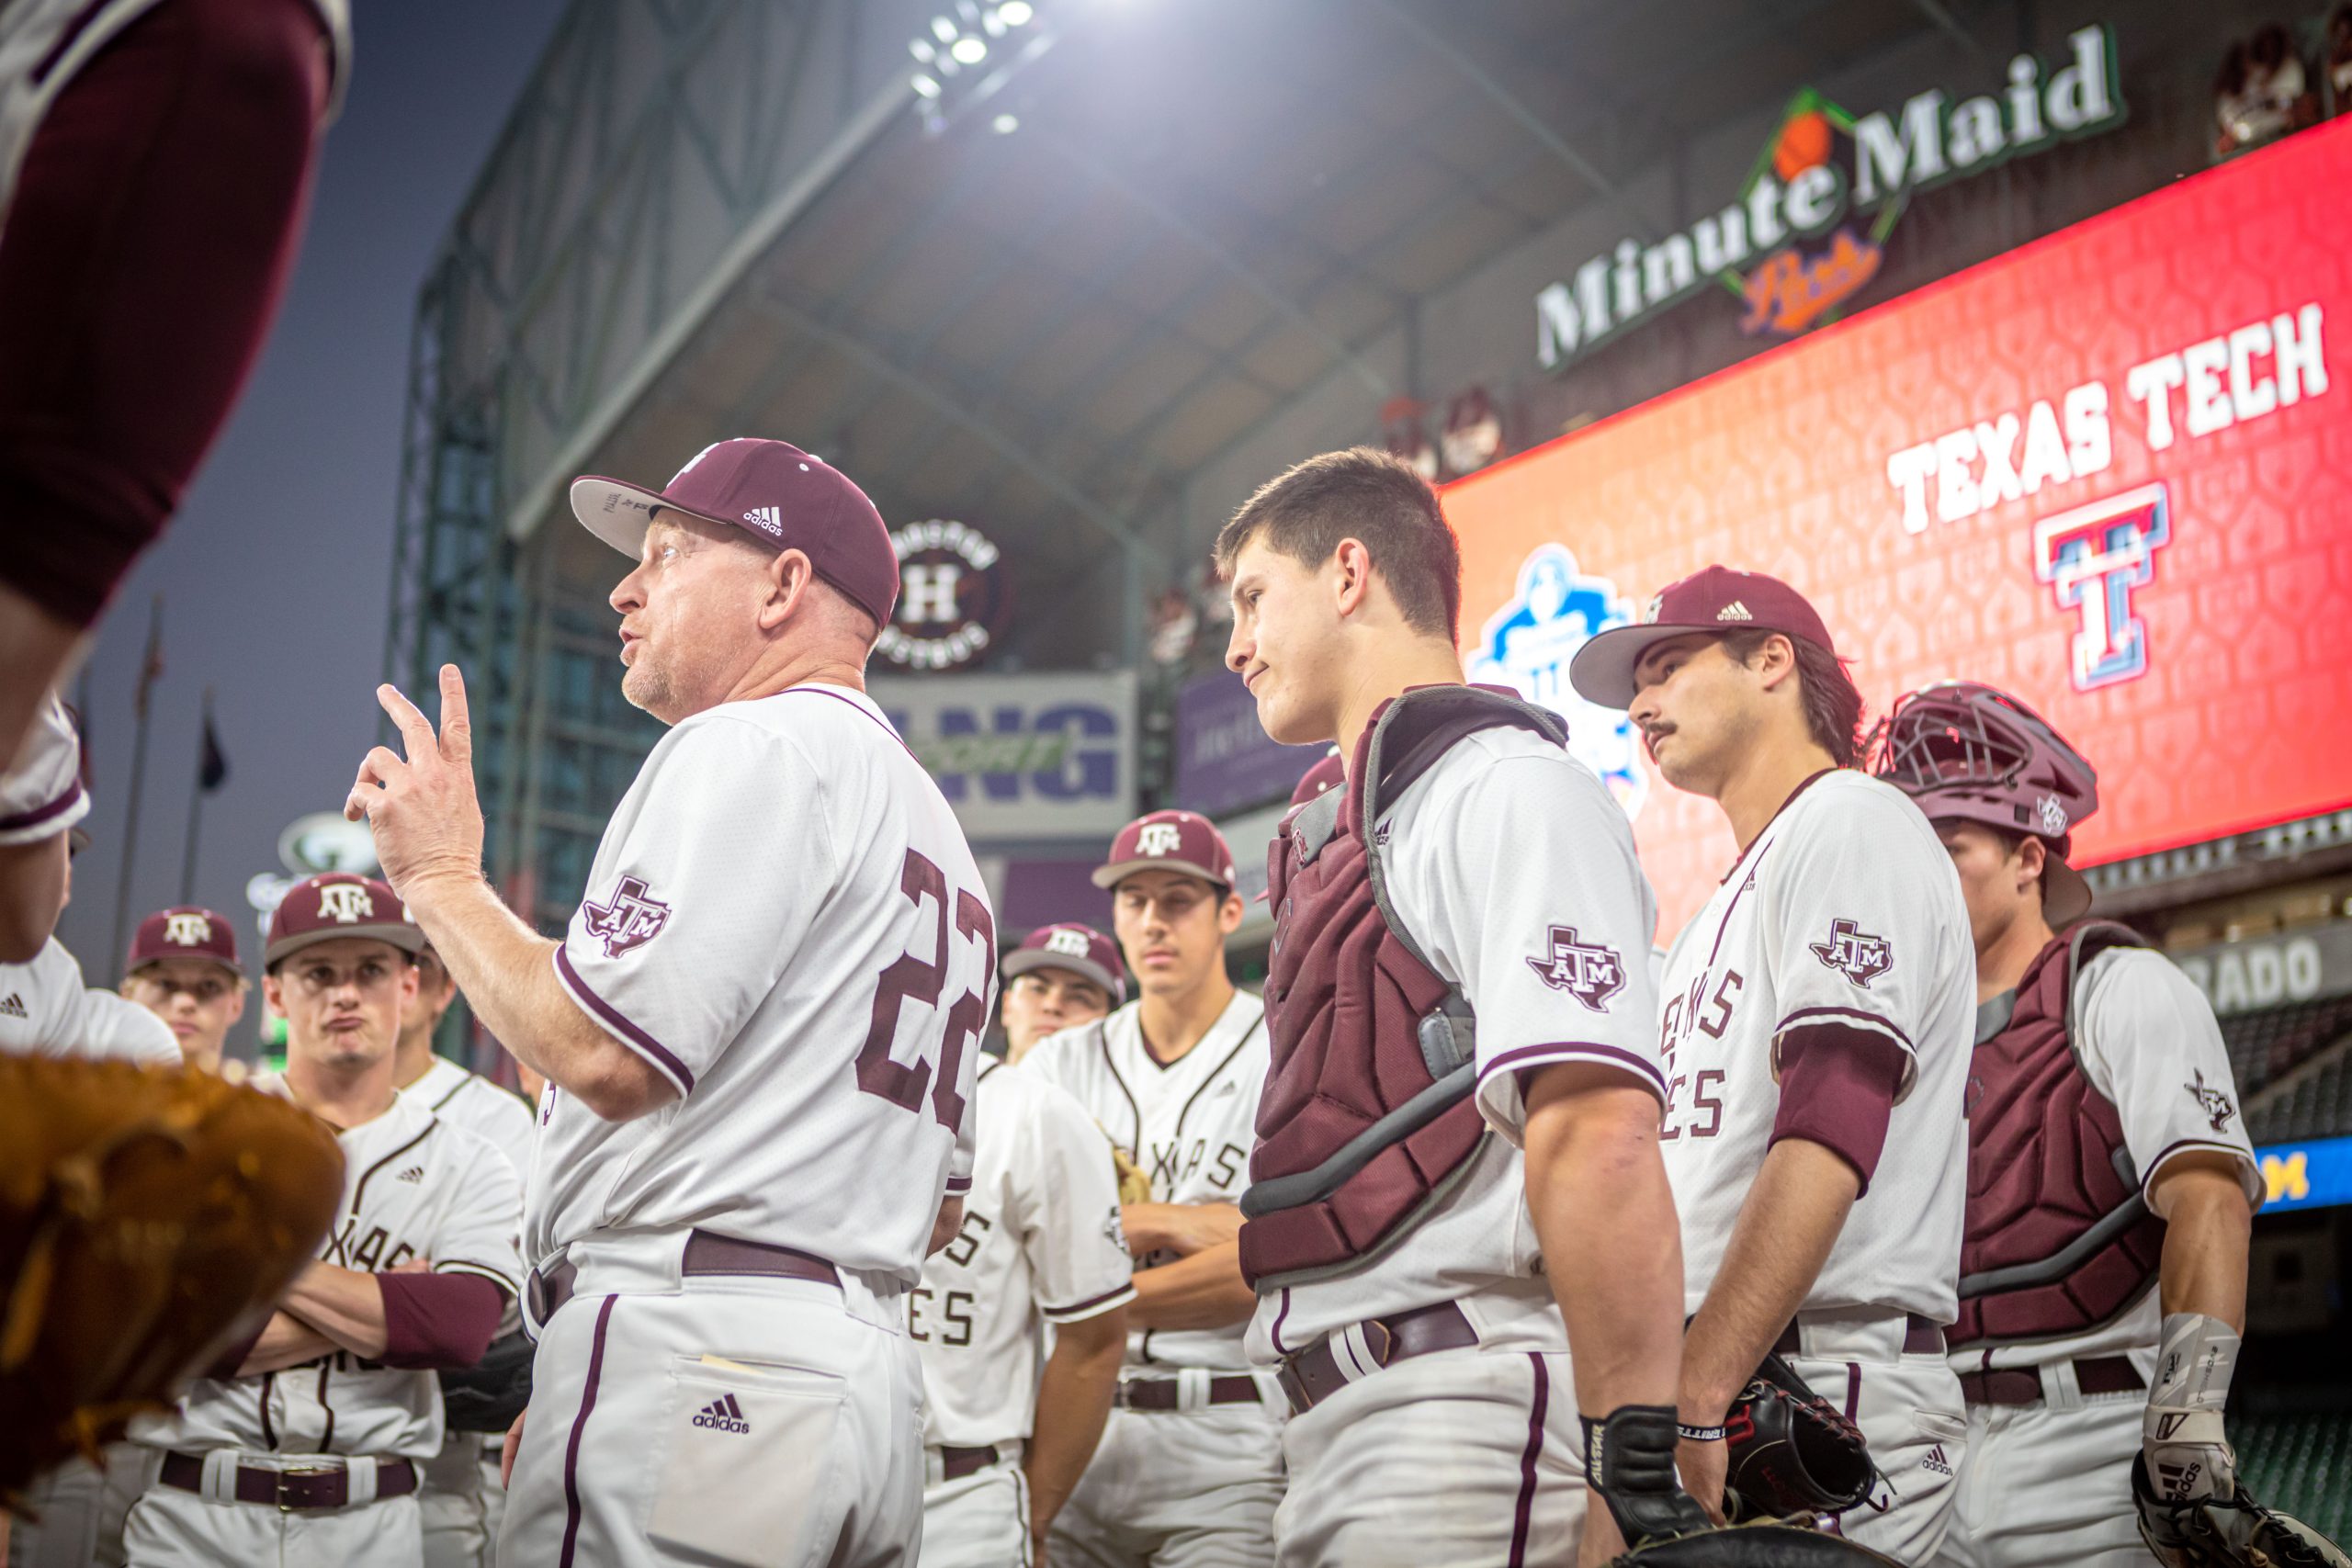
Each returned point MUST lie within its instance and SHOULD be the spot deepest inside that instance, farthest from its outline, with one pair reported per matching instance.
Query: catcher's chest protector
(1367, 1113)
(2058, 1239)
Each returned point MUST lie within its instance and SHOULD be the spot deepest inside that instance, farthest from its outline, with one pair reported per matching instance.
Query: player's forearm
(1615, 1264)
(285, 1342)
(1074, 1396)
(343, 1304)
(506, 971)
(1786, 1229)
(2208, 1225)
(1182, 1228)
(1204, 1290)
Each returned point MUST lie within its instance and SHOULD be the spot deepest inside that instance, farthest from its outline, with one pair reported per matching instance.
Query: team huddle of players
(1214, 1278)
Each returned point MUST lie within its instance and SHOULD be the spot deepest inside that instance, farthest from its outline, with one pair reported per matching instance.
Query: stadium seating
(2299, 1464)
(2262, 1045)
(2318, 1106)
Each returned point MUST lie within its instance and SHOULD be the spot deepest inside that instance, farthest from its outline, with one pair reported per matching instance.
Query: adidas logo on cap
(1734, 611)
(723, 1414)
(765, 517)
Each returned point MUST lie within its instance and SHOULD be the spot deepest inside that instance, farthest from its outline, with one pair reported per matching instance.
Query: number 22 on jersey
(909, 979)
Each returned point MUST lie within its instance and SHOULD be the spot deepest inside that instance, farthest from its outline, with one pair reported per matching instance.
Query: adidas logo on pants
(723, 1414)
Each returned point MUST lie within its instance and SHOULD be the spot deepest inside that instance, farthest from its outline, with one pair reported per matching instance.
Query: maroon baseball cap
(339, 903)
(1328, 774)
(774, 491)
(1080, 949)
(1717, 599)
(1169, 841)
(185, 930)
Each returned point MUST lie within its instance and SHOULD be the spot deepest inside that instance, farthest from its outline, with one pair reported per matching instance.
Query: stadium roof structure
(1038, 294)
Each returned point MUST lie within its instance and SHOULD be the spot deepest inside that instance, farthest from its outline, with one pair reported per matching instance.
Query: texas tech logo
(346, 903)
(187, 930)
(1158, 841)
(1585, 971)
(1854, 952)
(2092, 557)
(631, 920)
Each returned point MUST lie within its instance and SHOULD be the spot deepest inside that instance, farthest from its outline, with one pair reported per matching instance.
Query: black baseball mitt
(1768, 1543)
(1791, 1451)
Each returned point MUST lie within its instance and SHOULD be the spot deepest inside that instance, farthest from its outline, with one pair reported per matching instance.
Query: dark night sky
(277, 574)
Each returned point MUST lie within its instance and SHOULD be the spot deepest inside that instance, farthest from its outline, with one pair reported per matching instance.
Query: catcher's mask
(1965, 751)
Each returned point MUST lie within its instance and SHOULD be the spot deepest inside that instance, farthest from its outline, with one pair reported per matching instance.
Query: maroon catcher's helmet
(1962, 750)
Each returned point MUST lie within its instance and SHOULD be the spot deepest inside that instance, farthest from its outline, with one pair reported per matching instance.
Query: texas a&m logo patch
(1854, 952)
(630, 918)
(1587, 971)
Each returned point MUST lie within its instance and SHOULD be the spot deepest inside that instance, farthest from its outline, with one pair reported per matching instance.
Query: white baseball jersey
(413, 1186)
(2149, 1044)
(481, 1107)
(1041, 1240)
(42, 795)
(1514, 871)
(785, 920)
(46, 1011)
(1845, 910)
(1190, 1125)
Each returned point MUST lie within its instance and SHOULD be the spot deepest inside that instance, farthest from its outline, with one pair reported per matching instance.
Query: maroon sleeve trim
(432, 1321)
(1093, 1306)
(2248, 1165)
(40, 814)
(1838, 1089)
(958, 1185)
(1805, 1016)
(1518, 1058)
(627, 1033)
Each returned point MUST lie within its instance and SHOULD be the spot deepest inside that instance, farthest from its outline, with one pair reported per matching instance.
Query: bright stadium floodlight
(1005, 124)
(921, 48)
(1015, 13)
(926, 86)
(969, 50)
(958, 66)
(943, 30)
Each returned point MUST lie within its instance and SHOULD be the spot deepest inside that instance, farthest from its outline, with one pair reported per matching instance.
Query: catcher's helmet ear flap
(1964, 751)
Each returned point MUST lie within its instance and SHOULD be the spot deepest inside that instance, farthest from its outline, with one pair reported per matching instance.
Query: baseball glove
(1766, 1543)
(1135, 1187)
(1791, 1451)
(487, 1395)
(2232, 1532)
(148, 1219)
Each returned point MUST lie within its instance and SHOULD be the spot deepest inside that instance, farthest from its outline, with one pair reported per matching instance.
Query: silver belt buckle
(304, 1470)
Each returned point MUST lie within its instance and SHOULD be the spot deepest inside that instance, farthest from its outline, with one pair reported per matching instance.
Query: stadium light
(1015, 13)
(969, 50)
(963, 37)
(1005, 124)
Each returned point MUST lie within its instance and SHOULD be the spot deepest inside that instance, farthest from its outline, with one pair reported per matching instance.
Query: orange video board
(2110, 472)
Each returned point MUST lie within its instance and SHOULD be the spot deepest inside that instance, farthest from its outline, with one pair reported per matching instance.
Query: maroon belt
(1168, 1394)
(706, 1254)
(320, 1486)
(1313, 1374)
(1921, 1336)
(2022, 1385)
(956, 1463)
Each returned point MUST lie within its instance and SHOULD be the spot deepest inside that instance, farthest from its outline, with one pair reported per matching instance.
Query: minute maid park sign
(1823, 166)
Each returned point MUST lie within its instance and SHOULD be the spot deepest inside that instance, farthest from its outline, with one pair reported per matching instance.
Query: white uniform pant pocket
(747, 1464)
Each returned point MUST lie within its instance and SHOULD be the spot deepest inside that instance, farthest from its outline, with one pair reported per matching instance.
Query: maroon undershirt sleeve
(1838, 1089)
(439, 1320)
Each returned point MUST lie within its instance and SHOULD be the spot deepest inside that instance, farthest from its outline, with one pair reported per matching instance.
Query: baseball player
(759, 1034)
(304, 1445)
(184, 969)
(460, 1497)
(1060, 977)
(1190, 1467)
(41, 798)
(1456, 1179)
(1815, 1030)
(155, 165)
(2111, 1187)
(1040, 1246)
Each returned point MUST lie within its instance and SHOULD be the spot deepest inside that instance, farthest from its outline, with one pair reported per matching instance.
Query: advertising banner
(2111, 472)
(1224, 762)
(1024, 758)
